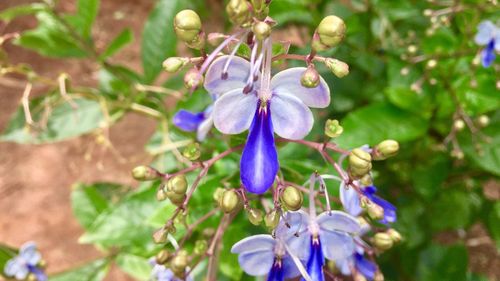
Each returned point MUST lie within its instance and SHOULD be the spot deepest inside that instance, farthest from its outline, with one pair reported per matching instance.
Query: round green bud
(31, 277)
(254, 216)
(261, 30)
(385, 149)
(200, 247)
(192, 151)
(229, 201)
(42, 264)
(239, 12)
(258, 5)
(382, 241)
(178, 264)
(160, 236)
(219, 191)
(272, 219)
(161, 194)
(187, 25)
(375, 212)
(360, 163)
(331, 30)
(337, 67)
(192, 79)
(176, 198)
(366, 180)
(173, 64)
(395, 235)
(292, 198)
(459, 125)
(145, 173)
(483, 121)
(162, 256)
(310, 78)
(378, 276)
(333, 128)
(358, 277)
(177, 184)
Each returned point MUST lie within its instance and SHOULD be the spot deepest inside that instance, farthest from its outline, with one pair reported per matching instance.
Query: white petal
(29, 253)
(338, 221)
(291, 118)
(204, 128)
(261, 242)
(292, 223)
(238, 72)
(350, 200)
(289, 81)
(233, 112)
(336, 245)
(256, 263)
(485, 33)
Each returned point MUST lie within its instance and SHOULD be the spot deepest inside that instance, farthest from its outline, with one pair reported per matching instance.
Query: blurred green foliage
(392, 92)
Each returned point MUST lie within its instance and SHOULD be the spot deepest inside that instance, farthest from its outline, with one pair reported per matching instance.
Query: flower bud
(359, 162)
(176, 198)
(177, 184)
(483, 121)
(358, 277)
(229, 201)
(431, 64)
(262, 30)
(375, 212)
(382, 241)
(254, 216)
(192, 79)
(459, 125)
(272, 219)
(219, 191)
(378, 276)
(331, 31)
(239, 12)
(179, 263)
(310, 78)
(160, 236)
(192, 151)
(215, 39)
(200, 247)
(161, 194)
(258, 5)
(366, 180)
(395, 236)
(337, 67)
(162, 256)
(333, 128)
(187, 25)
(208, 232)
(145, 173)
(173, 64)
(457, 154)
(292, 198)
(385, 149)
(31, 277)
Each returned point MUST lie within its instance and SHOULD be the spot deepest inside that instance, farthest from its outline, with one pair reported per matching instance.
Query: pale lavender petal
(292, 223)
(338, 221)
(204, 128)
(288, 81)
(497, 40)
(256, 263)
(260, 242)
(337, 245)
(344, 265)
(29, 253)
(292, 119)
(485, 32)
(238, 72)
(14, 266)
(350, 200)
(233, 112)
(290, 267)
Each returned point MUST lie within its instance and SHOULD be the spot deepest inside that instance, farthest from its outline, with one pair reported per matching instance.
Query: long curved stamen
(322, 188)
(249, 84)
(224, 74)
(219, 48)
(265, 88)
(298, 263)
(312, 205)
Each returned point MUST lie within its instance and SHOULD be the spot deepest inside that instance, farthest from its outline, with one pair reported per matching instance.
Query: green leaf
(136, 266)
(6, 253)
(84, 18)
(21, 10)
(158, 38)
(451, 210)
(437, 263)
(94, 271)
(64, 121)
(377, 122)
(124, 38)
(494, 223)
(429, 175)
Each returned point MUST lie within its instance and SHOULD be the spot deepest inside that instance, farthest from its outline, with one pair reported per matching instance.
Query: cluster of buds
(228, 200)
(385, 240)
(145, 173)
(360, 160)
(291, 198)
(175, 190)
(239, 12)
(188, 28)
(330, 31)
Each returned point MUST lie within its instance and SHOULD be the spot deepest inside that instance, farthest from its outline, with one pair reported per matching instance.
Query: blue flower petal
(488, 54)
(188, 121)
(289, 267)
(365, 267)
(259, 160)
(39, 274)
(315, 262)
(389, 209)
(277, 272)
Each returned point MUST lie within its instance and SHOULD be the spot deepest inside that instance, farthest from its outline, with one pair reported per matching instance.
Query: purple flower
(264, 106)
(188, 121)
(161, 273)
(358, 262)
(488, 34)
(26, 262)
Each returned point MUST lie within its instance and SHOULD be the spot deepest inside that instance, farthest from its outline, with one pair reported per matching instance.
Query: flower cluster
(488, 35)
(26, 265)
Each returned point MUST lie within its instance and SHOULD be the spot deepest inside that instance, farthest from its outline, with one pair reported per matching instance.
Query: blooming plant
(269, 156)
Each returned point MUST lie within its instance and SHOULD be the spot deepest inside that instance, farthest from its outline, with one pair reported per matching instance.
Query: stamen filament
(219, 48)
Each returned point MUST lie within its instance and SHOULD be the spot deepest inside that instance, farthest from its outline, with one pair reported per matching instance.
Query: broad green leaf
(409, 224)
(136, 266)
(437, 263)
(451, 210)
(377, 122)
(430, 174)
(158, 38)
(120, 41)
(21, 10)
(6, 253)
(64, 121)
(494, 223)
(94, 271)
(84, 18)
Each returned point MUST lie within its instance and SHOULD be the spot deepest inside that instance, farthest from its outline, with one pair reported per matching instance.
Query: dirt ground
(35, 180)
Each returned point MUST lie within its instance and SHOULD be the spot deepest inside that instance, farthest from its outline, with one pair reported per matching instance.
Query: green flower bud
(162, 256)
(359, 162)
(215, 39)
(333, 128)
(359, 277)
(459, 124)
(187, 25)
(200, 247)
(145, 173)
(258, 5)
(161, 194)
(382, 241)
(239, 12)
(31, 277)
(219, 191)
(192, 79)
(173, 64)
(177, 184)
(229, 201)
(339, 68)
(310, 78)
(483, 121)
(178, 264)
(160, 236)
(331, 30)
(254, 216)
(175, 198)
(395, 236)
(192, 151)
(292, 198)
(375, 212)
(366, 180)
(385, 149)
(42, 264)
(272, 219)
(378, 276)
(261, 30)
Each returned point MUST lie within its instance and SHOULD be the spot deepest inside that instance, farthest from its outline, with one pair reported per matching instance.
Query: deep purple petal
(315, 262)
(292, 119)
(277, 272)
(233, 112)
(365, 267)
(259, 160)
(488, 54)
(188, 121)
(39, 274)
(238, 71)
